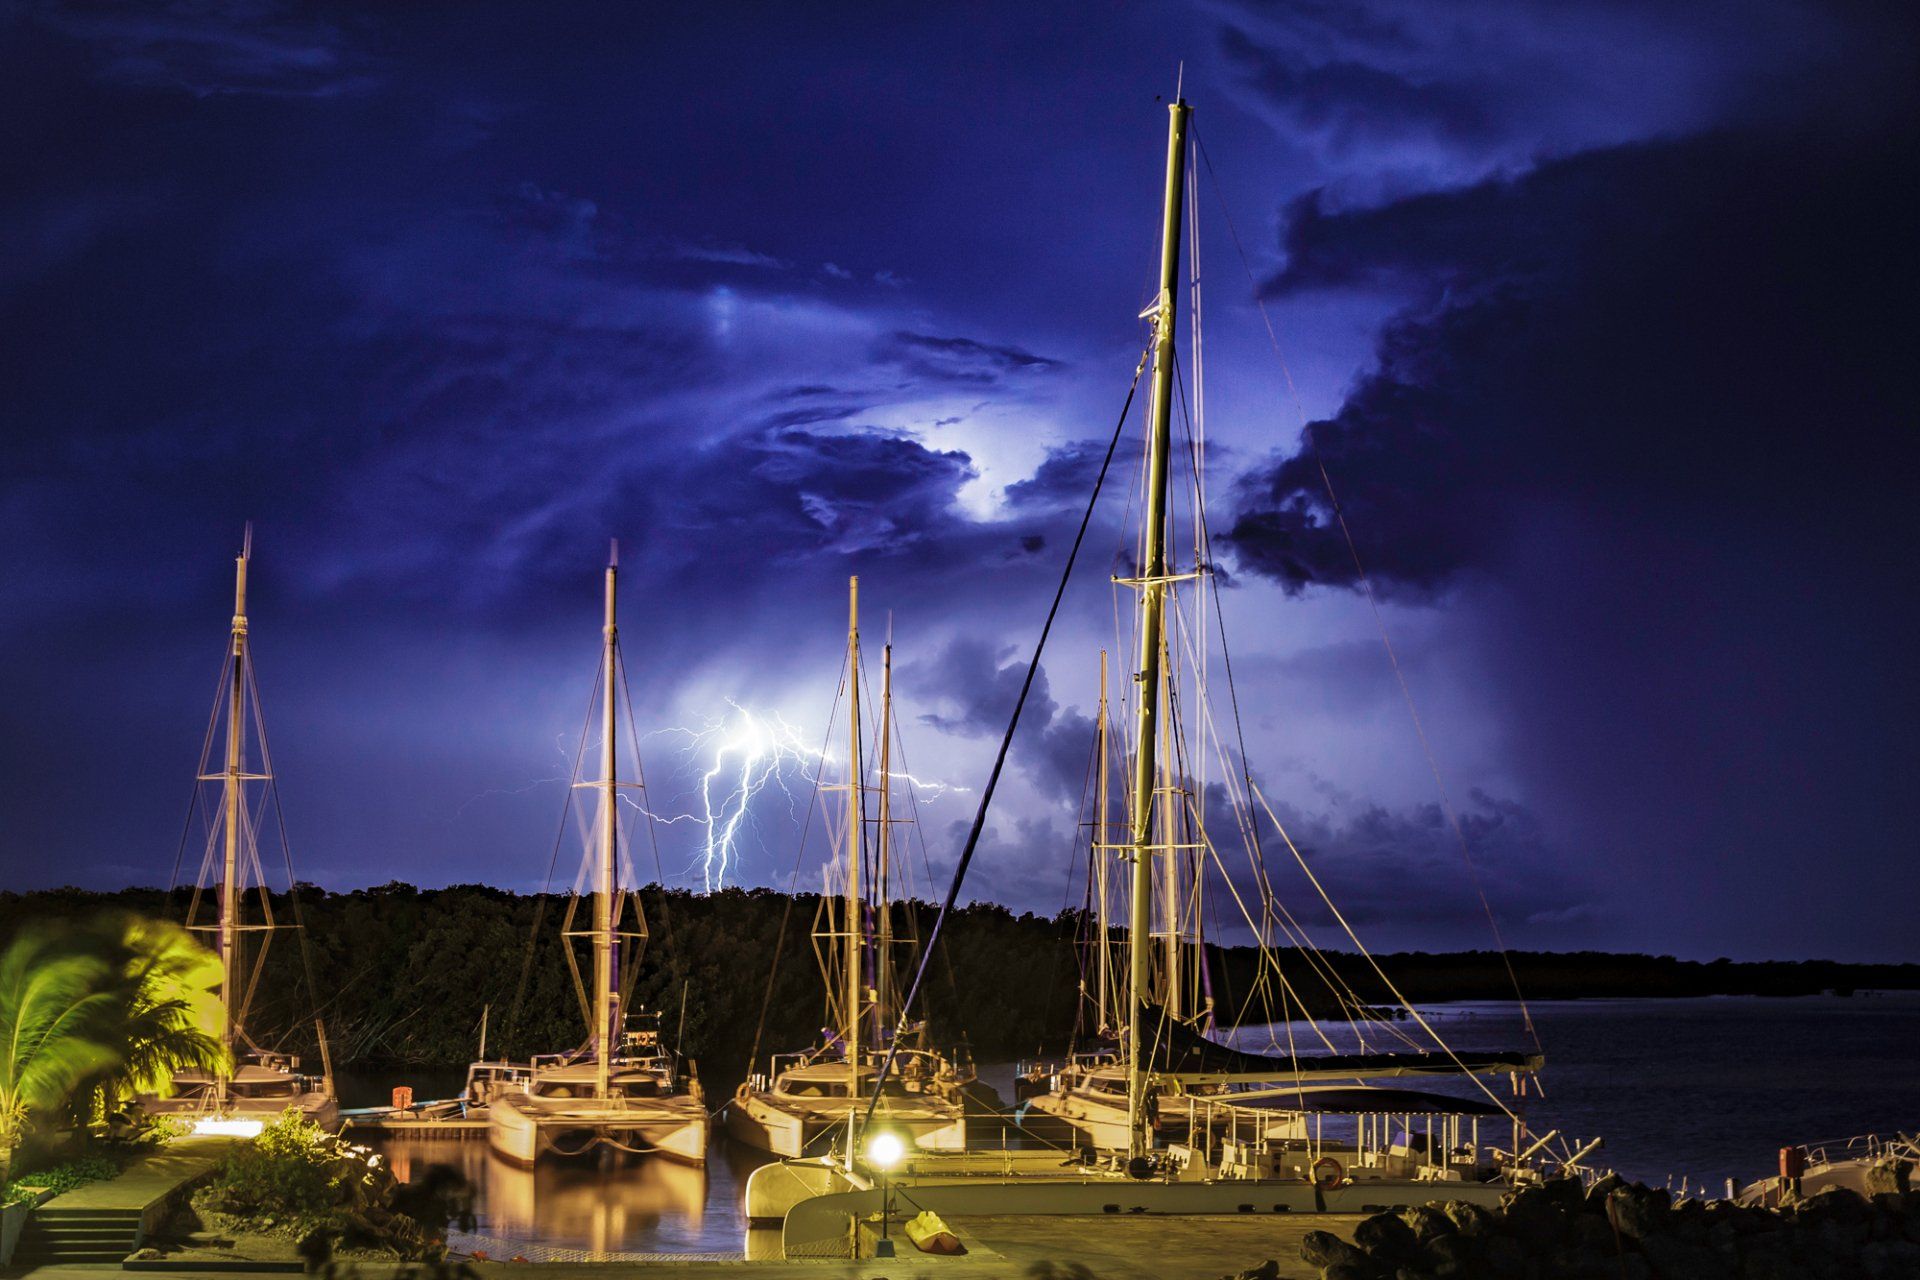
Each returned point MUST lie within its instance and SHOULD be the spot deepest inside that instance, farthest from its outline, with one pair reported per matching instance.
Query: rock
(1449, 1255)
(1427, 1222)
(1387, 1239)
(1505, 1257)
(1268, 1270)
(1536, 1220)
(1890, 1258)
(1769, 1263)
(1887, 1176)
(1602, 1188)
(1347, 1271)
(1677, 1259)
(1567, 1191)
(1637, 1212)
(1324, 1249)
(1469, 1220)
(1590, 1234)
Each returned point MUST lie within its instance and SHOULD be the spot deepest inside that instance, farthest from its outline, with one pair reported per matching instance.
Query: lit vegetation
(91, 1015)
(296, 1180)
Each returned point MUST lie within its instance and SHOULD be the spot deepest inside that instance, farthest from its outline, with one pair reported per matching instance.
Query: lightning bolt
(744, 753)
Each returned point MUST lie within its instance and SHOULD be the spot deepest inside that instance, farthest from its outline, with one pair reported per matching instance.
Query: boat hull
(525, 1131)
(762, 1120)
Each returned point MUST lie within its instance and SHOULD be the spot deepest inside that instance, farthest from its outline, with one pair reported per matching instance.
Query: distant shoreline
(406, 975)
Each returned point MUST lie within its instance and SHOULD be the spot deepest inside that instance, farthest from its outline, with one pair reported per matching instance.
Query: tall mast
(233, 811)
(856, 838)
(1152, 588)
(1170, 886)
(883, 906)
(606, 874)
(1103, 953)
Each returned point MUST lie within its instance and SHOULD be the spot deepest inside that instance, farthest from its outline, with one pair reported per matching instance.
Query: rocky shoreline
(1615, 1230)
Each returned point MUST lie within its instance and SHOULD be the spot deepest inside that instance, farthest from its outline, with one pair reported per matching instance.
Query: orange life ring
(1328, 1173)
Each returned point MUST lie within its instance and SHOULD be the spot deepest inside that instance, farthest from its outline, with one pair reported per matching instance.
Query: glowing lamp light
(229, 1127)
(884, 1150)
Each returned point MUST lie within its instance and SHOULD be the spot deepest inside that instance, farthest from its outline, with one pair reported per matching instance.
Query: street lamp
(884, 1151)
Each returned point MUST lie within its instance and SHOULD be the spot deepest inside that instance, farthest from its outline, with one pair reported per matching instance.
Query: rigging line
(1013, 723)
(793, 879)
(546, 885)
(1378, 971)
(1373, 603)
(193, 801)
(677, 968)
(286, 851)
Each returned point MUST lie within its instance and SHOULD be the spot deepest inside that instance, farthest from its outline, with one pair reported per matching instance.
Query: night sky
(1600, 313)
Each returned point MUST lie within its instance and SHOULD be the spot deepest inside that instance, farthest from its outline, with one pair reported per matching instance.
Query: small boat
(261, 1083)
(803, 1101)
(1869, 1165)
(622, 1090)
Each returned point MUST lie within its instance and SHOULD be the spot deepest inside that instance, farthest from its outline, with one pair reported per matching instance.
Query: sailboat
(803, 1100)
(623, 1089)
(1163, 1117)
(259, 1083)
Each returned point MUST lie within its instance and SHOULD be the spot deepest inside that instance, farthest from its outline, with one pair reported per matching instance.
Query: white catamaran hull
(523, 1130)
(791, 1128)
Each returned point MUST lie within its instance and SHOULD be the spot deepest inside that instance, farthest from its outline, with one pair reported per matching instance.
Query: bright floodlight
(885, 1149)
(229, 1127)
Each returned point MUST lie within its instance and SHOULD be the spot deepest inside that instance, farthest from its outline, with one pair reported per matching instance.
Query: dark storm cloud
(1351, 104)
(974, 686)
(1065, 477)
(788, 494)
(1404, 866)
(960, 360)
(1647, 420)
(1603, 329)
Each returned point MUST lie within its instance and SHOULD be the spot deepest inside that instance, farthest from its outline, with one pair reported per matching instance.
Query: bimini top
(1180, 1052)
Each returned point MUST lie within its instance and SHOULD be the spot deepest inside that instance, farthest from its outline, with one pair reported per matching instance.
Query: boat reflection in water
(565, 1208)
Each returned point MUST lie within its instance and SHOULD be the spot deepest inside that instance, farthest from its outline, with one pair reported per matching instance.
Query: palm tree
(55, 1006)
(165, 988)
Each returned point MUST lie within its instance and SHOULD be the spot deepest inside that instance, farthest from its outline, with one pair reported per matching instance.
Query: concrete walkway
(150, 1178)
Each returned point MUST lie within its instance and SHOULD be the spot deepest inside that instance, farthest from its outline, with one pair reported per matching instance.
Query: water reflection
(621, 1204)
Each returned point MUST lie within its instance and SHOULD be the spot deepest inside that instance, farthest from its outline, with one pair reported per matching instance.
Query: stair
(53, 1236)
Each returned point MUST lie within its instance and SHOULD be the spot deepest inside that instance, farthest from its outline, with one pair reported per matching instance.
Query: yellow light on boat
(884, 1150)
(228, 1127)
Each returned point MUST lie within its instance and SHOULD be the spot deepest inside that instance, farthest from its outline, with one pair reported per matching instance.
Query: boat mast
(883, 906)
(234, 814)
(1152, 587)
(606, 876)
(856, 838)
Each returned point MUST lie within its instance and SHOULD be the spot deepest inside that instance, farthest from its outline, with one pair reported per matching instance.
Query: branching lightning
(742, 754)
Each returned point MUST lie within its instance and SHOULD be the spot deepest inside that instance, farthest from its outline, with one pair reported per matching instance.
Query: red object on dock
(1793, 1162)
(403, 1099)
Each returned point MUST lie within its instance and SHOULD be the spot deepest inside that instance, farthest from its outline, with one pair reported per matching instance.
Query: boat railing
(1864, 1146)
(1256, 1141)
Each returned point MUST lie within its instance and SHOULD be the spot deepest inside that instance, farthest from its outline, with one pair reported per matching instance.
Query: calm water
(1701, 1089)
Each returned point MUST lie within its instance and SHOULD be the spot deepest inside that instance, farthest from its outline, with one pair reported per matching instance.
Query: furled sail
(1177, 1051)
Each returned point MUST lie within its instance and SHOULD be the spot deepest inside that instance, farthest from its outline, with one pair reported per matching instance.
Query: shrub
(298, 1180)
(61, 1178)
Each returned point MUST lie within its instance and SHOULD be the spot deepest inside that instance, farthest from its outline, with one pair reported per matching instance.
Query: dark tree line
(401, 975)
